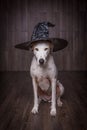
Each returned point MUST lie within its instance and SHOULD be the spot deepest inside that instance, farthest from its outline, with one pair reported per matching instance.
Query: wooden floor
(16, 102)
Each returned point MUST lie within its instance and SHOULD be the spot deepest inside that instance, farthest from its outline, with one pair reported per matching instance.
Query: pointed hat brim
(58, 44)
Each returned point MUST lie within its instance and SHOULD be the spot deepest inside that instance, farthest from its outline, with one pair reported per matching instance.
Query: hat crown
(41, 31)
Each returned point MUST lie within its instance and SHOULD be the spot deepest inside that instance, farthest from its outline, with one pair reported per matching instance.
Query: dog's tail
(50, 24)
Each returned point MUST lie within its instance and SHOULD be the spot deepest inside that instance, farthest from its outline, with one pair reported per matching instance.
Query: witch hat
(41, 33)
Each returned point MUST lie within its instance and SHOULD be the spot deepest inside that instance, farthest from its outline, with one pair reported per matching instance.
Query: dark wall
(18, 18)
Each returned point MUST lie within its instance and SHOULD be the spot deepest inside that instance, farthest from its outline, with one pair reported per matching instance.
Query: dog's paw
(53, 112)
(59, 103)
(34, 110)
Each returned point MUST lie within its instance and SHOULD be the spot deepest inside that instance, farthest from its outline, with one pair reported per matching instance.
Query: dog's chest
(42, 77)
(43, 83)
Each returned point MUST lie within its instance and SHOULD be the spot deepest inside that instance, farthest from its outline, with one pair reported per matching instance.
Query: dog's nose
(41, 61)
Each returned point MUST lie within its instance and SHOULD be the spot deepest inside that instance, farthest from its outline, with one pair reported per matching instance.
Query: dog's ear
(32, 48)
(51, 47)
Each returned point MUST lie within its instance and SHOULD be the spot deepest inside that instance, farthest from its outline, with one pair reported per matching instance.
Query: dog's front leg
(53, 105)
(35, 107)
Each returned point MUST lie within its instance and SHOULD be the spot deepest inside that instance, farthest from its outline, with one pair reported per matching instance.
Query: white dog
(44, 76)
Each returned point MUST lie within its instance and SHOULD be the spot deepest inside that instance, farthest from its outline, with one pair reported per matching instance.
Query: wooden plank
(17, 22)
(16, 102)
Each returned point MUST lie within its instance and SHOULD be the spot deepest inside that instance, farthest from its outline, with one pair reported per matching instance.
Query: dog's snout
(41, 61)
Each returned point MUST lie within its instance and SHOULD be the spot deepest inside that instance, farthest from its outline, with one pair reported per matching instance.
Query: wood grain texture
(16, 102)
(17, 21)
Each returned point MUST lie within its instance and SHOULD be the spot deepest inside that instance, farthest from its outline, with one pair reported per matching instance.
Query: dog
(44, 77)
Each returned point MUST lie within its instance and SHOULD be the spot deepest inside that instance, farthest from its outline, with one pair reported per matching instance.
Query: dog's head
(41, 51)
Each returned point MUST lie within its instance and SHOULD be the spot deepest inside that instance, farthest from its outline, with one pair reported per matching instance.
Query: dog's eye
(36, 49)
(46, 49)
